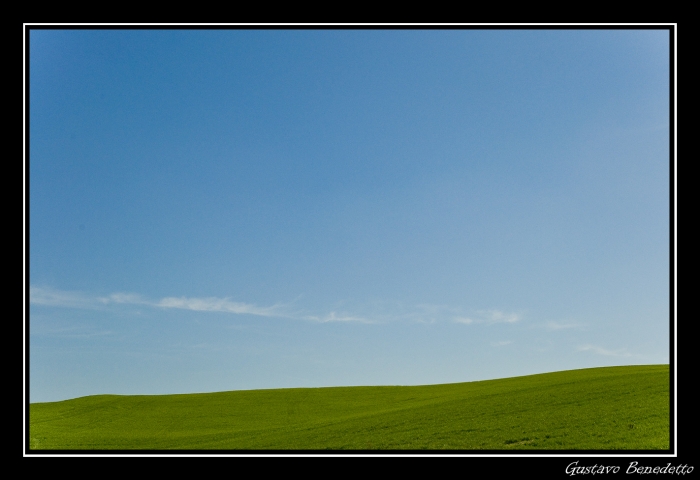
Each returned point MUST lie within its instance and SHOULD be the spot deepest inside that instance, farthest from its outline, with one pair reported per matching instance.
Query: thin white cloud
(421, 313)
(464, 320)
(498, 316)
(501, 343)
(334, 317)
(562, 326)
(131, 298)
(58, 298)
(488, 316)
(424, 313)
(214, 304)
(602, 351)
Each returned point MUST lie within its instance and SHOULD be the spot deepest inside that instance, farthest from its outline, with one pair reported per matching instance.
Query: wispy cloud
(464, 320)
(498, 316)
(488, 316)
(131, 298)
(501, 343)
(602, 351)
(57, 298)
(214, 304)
(334, 317)
(424, 313)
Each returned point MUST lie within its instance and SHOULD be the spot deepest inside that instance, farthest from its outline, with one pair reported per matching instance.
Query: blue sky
(236, 209)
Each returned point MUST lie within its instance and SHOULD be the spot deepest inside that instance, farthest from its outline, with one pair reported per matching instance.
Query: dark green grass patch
(611, 408)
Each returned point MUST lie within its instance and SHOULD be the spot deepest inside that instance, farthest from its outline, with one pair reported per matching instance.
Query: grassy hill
(611, 408)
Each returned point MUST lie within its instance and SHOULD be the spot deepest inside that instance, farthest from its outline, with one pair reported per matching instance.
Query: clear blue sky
(227, 209)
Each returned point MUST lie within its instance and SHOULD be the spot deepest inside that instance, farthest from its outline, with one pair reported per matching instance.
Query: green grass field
(611, 408)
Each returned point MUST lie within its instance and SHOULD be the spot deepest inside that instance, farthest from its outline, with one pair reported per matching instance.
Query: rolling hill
(609, 408)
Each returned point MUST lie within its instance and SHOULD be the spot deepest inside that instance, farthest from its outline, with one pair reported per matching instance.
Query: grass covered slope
(594, 409)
